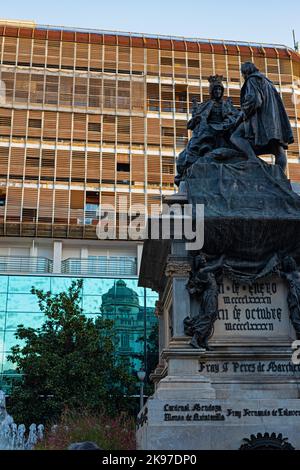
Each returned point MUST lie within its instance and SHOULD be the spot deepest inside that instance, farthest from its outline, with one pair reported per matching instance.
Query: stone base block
(208, 424)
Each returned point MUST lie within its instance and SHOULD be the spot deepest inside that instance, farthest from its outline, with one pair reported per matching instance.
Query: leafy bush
(77, 426)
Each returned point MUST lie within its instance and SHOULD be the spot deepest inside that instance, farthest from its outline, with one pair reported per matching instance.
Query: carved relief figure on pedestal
(203, 285)
(290, 273)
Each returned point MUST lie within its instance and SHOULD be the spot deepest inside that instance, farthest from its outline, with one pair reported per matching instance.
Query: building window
(167, 131)
(36, 123)
(91, 206)
(29, 214)
(2, 199)
(94, 127)
(123, 167)
(166, 61)
(32, 161)
(5, 121)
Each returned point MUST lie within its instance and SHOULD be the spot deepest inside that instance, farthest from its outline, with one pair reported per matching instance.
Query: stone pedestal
(244, 385)
(245, 389)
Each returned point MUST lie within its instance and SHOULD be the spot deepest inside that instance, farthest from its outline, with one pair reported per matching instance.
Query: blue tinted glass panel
(150, 302)
(33, 320)
(3, 298)
(7, 365)
(91, 304)
(92, 286)
(93, 317)
(11, 340)
(19, 306)
(23, 284)
(2, 348)
(2, 320)
(102, 287)
(3, 283)
(22, 303)
(60, 284)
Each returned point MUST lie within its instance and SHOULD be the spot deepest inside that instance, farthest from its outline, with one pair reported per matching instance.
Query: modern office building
(89, 118)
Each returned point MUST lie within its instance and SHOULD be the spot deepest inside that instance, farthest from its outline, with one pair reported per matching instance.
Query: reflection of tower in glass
(121, 304)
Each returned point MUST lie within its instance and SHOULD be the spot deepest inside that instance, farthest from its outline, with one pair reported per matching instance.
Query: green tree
(70, 362)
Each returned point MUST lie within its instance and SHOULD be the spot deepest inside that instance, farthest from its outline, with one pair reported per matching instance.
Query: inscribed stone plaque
(259, 311)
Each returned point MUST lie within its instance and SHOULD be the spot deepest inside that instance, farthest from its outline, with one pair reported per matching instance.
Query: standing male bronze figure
(263, 125)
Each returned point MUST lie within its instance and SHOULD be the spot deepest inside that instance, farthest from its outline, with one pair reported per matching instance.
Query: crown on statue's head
(215, 80)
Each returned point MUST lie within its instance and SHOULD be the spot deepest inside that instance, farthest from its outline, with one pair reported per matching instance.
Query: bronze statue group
(222, 132)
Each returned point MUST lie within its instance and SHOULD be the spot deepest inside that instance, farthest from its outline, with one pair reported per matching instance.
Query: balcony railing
(25, 264)
(101, 265)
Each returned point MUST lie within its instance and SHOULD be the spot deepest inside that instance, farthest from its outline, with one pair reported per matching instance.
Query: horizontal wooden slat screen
(50, 123)
(13, 202)
(65, 126)
(78, 166)
(5, 121)
(45, 205)
(30, 200)
(63, 165)
(67, 55)
(108, 167)
(38, 53)
(93, 174)
(107, 113)
(294, 172)
(9, 51)
(17, 157)
(77, 199)
(153, 127)
(61, 206)
(53, 54)
(47, 165)
(138, 169)
(4, 154)
(153, 165)
(138, 61)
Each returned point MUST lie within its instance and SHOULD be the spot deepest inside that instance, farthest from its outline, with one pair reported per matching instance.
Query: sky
(268, 21)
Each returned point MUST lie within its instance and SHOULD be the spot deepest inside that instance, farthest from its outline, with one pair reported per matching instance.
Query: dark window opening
(123, 167)
(167, 131)
(92, 197)
(179, 62)
(32, 161)
(193, 63)
(166, 61)
(107, 181)
(23, 63)
(5, 121)
(94, 127)
(62, 178)
(37, 123)
(107, 119)
(2, 199)
(29, 214)
(48, 162)
(91, 206)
